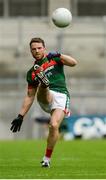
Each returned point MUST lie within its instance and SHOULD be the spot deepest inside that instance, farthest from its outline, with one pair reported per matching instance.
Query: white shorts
(60, 101)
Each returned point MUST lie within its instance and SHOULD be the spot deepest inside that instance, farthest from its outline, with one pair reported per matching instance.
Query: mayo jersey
(54, 70)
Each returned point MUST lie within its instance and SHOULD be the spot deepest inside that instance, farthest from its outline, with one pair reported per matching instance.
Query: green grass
(71, 160)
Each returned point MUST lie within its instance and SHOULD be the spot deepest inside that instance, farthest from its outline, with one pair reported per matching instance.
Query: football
(62, 17)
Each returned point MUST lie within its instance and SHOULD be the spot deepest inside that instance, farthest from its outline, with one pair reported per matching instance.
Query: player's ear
(45, 49)
(30, 49)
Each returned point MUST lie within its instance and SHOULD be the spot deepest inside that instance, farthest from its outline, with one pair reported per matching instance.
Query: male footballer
(46, 80)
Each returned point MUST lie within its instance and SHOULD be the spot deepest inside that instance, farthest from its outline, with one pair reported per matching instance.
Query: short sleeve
(32, 82)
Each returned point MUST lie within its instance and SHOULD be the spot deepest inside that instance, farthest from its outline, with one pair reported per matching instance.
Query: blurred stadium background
(84, 39)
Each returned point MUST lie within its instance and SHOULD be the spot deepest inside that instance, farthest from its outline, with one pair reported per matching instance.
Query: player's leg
(56, 118)
(45, 98)
(44, 95)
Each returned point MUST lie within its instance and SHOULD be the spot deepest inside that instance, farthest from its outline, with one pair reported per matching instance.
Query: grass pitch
(71, 160)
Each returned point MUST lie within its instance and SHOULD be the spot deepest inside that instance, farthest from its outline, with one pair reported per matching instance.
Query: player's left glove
(53, 55)
(16, 123)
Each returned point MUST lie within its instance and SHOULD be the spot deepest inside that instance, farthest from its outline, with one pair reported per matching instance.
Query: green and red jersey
(54, 70)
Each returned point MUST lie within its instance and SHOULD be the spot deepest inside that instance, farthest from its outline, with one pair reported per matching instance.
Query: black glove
(53, 55)
(16, 123)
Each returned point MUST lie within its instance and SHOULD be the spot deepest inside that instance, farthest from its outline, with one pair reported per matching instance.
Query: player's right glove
(16, 123)
(53, 55)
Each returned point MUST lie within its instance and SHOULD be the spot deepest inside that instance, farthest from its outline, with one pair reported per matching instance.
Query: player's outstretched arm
(68, 60)
(28, 100)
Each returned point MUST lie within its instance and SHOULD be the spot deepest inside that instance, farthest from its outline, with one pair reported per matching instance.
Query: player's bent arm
(28, 100)
(68, 60)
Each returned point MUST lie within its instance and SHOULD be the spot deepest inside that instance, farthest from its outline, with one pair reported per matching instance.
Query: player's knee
(54, 126)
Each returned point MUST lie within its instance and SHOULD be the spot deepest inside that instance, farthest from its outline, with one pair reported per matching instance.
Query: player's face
(37, 50)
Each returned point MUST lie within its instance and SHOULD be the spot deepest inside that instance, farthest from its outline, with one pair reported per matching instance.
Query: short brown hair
(37, 39)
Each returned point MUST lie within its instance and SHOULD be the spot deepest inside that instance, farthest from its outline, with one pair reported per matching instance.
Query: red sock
(48, 153)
